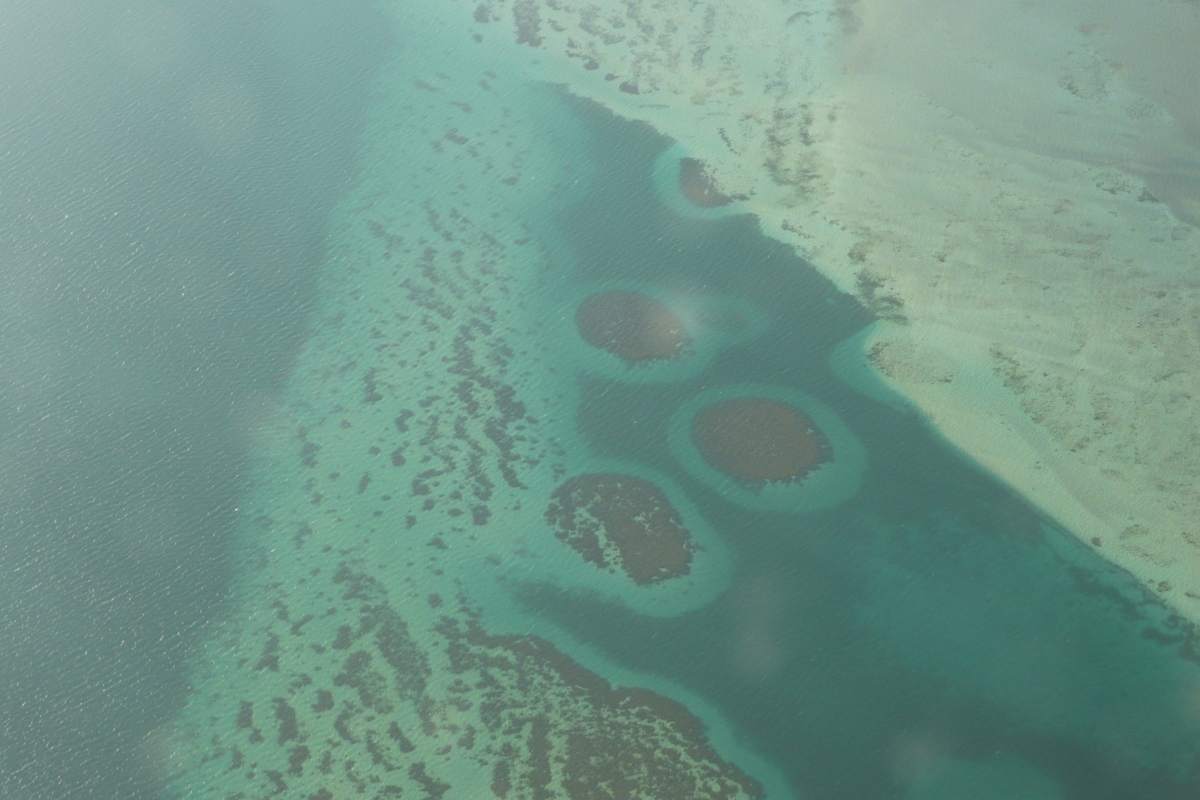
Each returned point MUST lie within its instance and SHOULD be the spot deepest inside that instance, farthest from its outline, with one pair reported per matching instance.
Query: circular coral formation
(632, 326)
(617, 520)
(767, 447)
(696, 185)
(757, 440)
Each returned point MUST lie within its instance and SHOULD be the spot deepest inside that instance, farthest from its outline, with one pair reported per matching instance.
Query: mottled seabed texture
(485, 554)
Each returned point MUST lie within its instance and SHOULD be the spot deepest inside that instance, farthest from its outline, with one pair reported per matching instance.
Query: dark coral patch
(634, 744)
(611, 518)
(756, 440)
(696, 185)
(633, 326)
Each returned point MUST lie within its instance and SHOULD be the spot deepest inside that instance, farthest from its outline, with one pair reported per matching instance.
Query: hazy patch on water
(166, 171)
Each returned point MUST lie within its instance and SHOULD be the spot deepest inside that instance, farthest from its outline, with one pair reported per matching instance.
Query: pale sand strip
(1018, 186)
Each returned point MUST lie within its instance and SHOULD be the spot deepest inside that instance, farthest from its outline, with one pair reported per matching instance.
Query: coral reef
(632, 326)
(757, 440)
(615, 520)
(362, 701)
(696, 185)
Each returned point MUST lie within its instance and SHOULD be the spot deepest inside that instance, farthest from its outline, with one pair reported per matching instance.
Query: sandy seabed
(1012, 190)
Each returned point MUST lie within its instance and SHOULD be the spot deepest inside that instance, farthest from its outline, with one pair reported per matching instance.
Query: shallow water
(934, 615)
(929, 636)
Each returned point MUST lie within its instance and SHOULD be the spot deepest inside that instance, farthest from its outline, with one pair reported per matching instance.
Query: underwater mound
(696, 185)
(621, 521)
(637, 332)
(685, 186)
(769, 448)
(632, 326)
(758, 440)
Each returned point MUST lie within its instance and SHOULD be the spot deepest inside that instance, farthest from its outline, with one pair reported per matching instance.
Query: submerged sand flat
(1013, 190)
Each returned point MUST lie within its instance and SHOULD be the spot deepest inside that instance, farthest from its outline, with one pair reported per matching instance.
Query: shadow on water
(167, 173)
(935, 618)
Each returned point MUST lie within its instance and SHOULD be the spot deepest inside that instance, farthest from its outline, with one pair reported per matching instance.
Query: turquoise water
(934, 613)
(169, 490)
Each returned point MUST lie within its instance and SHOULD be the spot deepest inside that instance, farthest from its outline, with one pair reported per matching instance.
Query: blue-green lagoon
(449, 581)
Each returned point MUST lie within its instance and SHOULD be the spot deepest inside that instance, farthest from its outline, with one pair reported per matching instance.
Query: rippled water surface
(896, 625)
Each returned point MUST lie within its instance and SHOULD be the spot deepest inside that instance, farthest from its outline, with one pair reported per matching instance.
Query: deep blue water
(165, 175)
